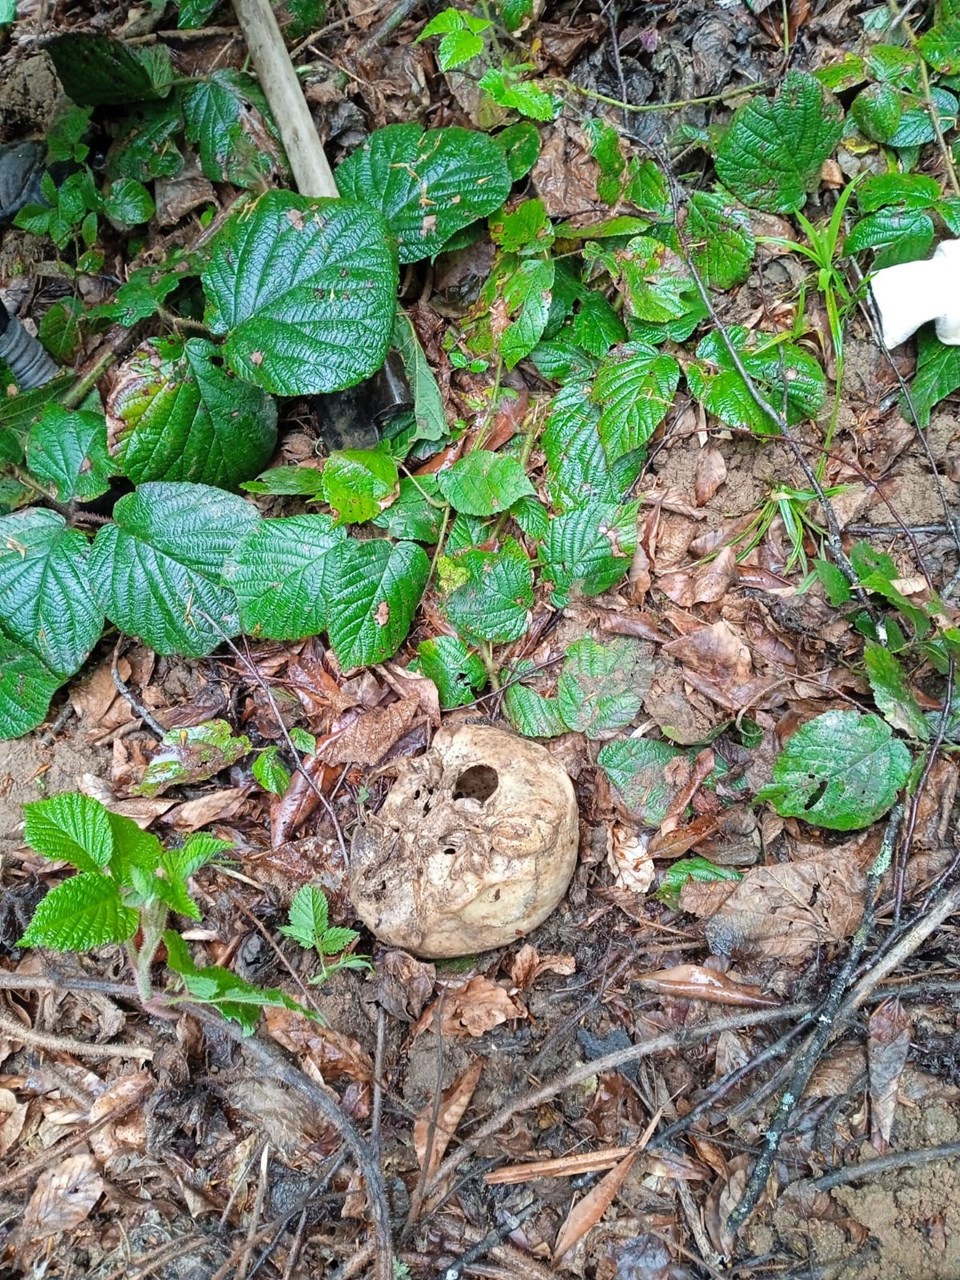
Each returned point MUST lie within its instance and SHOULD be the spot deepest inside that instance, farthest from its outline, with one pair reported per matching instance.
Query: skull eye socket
(479, 782)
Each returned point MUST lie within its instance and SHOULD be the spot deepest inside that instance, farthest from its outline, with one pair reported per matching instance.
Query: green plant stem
(438, 550)
(82, 388)
(665, 106)
(153, 919)
(493, 675)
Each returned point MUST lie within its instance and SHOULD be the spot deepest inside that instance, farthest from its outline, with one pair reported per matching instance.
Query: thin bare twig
(884, 1164)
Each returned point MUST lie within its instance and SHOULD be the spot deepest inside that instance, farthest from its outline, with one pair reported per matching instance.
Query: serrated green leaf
(70, 827)
(531, 713)
(46, 592)
(282, 574)
(428, 185)
(192, 754)
(877, 110)
(303, 741)
(780, 371)
(378, 589)
(305, 292)
(145, 290)
(60, 329)
(427, 400)
(158, 570)
(26, 687)
(81, 913)
(132, 848)
(940, 46)
(637, 768)
(937, 376)
(68, 451)
(484, 483)
(634, 388)
(359, 483)
(525, 96)
(577, 467)
(720, 237)
(772, 154)
(596, 326)
(144, 145)
(127, 203)
(895, 700)
(300, 482)
(589, 549)
(916, 126)
(96, 70)
(178, 414)
(700, 870)
(412, 516)
(270, 771)
(308, 917)
(531, 515)
(490, 592)
(602, 686)
(19, 412)
(908, 233)
(909, 190)
(841, 770)
(225, 114)
(458, 673)
(656, 283)
(526, 226)
(194, 13)
(520, 144)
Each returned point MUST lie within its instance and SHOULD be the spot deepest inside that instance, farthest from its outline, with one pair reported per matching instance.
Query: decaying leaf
(630, 860)
(711, 474)
(472, 1009)
(335, 1055)
(696, 982)
(888, 1043)
(528, 964)
(432, 1133)
(587, 1212)
(62, 1199)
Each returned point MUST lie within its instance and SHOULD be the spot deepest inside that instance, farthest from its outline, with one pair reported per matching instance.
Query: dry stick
(64, 1044)
(609, 1062)
(386, 28)
(898, 1160)
(279, 82)
(827, 1018)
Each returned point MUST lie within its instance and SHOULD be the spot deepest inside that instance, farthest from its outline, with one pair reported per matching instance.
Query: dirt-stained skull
(473, 847)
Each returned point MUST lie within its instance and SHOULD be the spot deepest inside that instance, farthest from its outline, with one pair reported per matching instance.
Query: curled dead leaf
(469, 1010)
(696, 982)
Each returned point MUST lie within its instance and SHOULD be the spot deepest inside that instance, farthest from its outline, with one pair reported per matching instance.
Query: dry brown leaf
(432, 1135)
(630, 860)
(706, 585)
(470, 1010)
(888, 1043)
(557, 1167)
(129, 1131)
(711, 474)
(787, 911)
(336, 1056)
(368, 739)
(62, 1199)
(696, 982)
(98, 703)
(139, 809)
(218, 806)
(528, 964)
(716, 652)
(404, 984)
(587, 1212)
(12, 1117)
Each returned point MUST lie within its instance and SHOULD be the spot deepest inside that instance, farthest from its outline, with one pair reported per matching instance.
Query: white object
(909, 295)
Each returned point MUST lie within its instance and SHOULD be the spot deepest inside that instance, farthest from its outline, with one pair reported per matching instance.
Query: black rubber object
(21, 168)
(29, 363)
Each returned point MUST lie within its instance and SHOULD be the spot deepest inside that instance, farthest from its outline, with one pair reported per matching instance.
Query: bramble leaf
(484, 483)
(458, 673)
(490, 592)
(68, 451)
(379, 586)
(70, 827)
(81, 913)
(637, 768)
(359, 483)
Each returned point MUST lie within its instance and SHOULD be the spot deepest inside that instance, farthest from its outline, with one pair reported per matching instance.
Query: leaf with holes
(359, 483)
(226, 114)
(780, 371)
(532, 714)
(158, 570)
(656, 284)
(484, 483)
(772, 154)
(281, 574)
(46, 594)
(378, 588)
(176, 413)
(589, 549)
(428, 185)
(720, 238)
(637, 768)
(68, 451)
(634, 388)
(489, 593)
(842, 770)
(457, 671)
(304, 292)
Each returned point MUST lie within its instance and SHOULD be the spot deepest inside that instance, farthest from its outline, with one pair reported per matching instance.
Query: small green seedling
(309, 925)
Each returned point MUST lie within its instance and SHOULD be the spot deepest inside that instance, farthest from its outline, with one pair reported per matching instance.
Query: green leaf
(937, 375)
(484, 483)
(98, 71)
(634, 388)
(772, 154)
(520, 144)
(300, 482)
(507, 89)
(489, 592)
(178, 414)
(70, 827)
(532, 714)
(940, 46)
(878, 110)
(720, 237)
(191, 755)
(525, 227)
(637, 768)
(68, 452)
(908, 190)
(527, 294)
(18, 412)
(916, 127)
(303, 741)
(461, 36)
(144, 145)
(577, 466)
(132, 849)
(8, 12)
(531, 515)
(282, 575)
(270, 771)
(81, 913)
(894, 698)
(308, 917)
(700, 870)
(157, 571)
(601, 686)
(427, 400)
(26, 687)
(841, 770)
(898, 235)
(305, 292)
(359, 483)
(596, 326)
(378, 589)
(458, 673)
(412, 516)
(127, 203)
(589, 549)
(60, 329)
(46, 592)
(225, 115)
(656, 282)
(779, 370)
(145, 290)
(428, 185)
(193, 14)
